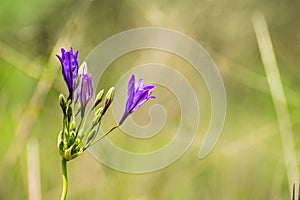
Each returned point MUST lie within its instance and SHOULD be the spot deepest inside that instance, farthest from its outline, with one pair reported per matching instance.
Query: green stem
(65, 179)
(103, 136)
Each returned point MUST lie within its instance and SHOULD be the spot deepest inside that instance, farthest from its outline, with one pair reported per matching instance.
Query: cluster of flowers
(74, 139)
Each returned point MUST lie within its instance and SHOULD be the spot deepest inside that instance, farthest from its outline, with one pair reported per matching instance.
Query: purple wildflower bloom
(138, 94)
(84, 91)
(69, 63)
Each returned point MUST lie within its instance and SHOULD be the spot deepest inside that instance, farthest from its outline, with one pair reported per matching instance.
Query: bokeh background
(248, 161)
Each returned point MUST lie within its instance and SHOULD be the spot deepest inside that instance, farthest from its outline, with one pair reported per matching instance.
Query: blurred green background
(248, 160)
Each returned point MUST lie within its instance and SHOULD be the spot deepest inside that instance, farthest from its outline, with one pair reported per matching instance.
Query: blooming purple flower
(69, 63)
(84, 91)
(138, 94)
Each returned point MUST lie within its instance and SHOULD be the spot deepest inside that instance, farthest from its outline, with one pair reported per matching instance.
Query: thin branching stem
(103, 136)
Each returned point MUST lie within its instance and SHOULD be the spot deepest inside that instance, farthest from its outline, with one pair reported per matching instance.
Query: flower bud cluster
(74, 138)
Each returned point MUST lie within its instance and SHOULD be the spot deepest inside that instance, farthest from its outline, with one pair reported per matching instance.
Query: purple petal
(149, 87)
(60, 58)
(63, 51)
(142, 99)
(131, 92)
(69, 65)
(140, 84)
(131, 85)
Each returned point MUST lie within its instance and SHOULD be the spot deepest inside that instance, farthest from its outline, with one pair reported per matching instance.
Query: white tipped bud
(98, 115)
(99, 98)
(108, 99)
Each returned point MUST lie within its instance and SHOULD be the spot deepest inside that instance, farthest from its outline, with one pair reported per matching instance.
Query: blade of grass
(278, 96)
(33, 170)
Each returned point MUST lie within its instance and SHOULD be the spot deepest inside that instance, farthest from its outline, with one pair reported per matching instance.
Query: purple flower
(138, 94)
(84, 91)
(69, 63)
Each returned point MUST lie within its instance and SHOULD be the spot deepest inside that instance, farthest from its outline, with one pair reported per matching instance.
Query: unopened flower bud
(108, 99)
(90, 138)
(84, 92)
(69, 112)
(63, 103)
(99, 98)
(98, 115)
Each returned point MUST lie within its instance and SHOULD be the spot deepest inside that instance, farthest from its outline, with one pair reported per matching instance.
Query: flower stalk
(65, 179)
(103, 136)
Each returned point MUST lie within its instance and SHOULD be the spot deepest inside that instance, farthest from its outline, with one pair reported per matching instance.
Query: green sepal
(72, 126)
(73, 151)
(69, 148)
(60, 143)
